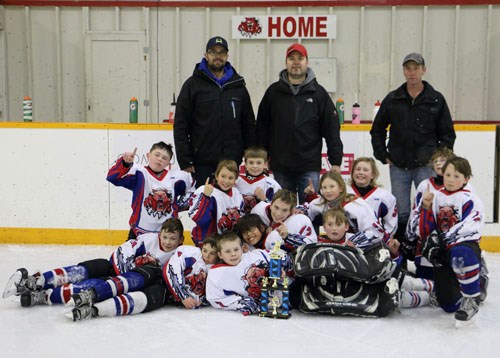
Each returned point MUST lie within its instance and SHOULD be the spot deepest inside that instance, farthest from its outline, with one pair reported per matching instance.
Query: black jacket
(212, 122)
(417, 127)
(291, 125)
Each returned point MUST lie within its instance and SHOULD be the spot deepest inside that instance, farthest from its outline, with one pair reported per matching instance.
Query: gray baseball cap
(416, 57)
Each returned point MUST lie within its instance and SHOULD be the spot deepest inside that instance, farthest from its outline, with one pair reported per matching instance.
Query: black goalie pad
(350, 298)
(344, 263)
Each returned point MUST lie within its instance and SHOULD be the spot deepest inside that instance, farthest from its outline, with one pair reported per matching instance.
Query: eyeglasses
(217, 53)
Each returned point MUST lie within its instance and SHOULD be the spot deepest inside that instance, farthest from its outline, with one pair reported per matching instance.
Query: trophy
(271, 304)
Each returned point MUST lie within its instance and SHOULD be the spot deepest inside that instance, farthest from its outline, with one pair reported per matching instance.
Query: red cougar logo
(158, 203)
(253, 276)
(228, 219)
(447, 217)
(249, 201)
(249, 27)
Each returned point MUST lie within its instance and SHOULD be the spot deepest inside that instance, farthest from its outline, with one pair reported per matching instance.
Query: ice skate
(82, 312)
(32, 298)
(21, 282)
(483, 280)
(83, 298)
(468, 309)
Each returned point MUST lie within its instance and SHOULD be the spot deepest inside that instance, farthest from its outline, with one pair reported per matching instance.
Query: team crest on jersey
(158, 203)
(250, 27)
(197, 283)
(249, 201)
(252, 277)
(124, 263)
(228, 220)
(447, 217)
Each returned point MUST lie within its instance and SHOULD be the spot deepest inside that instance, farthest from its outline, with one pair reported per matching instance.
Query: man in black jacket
(294, 115)
(420, 122)
(214, 118)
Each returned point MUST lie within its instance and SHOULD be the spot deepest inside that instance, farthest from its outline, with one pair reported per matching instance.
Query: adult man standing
(214, 118)
(294, 115)
(420, 122)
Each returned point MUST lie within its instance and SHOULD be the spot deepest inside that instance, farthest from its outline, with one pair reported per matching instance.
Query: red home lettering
(274, 26)
(306, 26)
(321, 26)
(289, 32)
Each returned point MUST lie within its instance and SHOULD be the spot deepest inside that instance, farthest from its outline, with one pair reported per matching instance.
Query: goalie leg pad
(344, 262)
(350, 298)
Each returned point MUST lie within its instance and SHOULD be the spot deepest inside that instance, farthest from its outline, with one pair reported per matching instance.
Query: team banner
(284, 27)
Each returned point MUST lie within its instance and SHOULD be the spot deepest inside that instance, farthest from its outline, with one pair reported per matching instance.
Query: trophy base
(277, 315)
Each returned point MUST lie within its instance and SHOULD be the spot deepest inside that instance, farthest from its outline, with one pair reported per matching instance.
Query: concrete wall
(65, 57)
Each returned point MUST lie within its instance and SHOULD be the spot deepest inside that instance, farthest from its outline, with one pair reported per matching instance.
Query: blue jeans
(401, 180)
(297, 182)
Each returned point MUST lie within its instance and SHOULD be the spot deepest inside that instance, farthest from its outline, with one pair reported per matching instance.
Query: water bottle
(356, 113)
(340, 109)
(133, 110)
(376, 107)
(27, 109)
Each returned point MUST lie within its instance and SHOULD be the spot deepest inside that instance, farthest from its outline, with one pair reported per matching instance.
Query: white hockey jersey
(155, 198)
(215, 214)
(186, 274)
(263, 210)
(383, 203)
(362, 220)
(300, 232)
(247, 185)
(300, 229)
(124, 257)
(457, 215)
(238, 287)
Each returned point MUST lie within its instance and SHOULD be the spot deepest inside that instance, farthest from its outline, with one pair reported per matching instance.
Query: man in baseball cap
(214, 117)
(417, 120)
(297, 109)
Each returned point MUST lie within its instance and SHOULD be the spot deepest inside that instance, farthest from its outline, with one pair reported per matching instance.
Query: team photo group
(342, 247)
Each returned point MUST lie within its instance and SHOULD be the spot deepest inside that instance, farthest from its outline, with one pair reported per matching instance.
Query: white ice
(44, 331)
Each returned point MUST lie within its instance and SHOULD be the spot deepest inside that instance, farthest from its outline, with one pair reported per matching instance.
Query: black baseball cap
(217, 40)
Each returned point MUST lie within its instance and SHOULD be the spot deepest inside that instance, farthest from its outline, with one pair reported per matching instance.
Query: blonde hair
(229, 165)
(337, 178)
(373, 165)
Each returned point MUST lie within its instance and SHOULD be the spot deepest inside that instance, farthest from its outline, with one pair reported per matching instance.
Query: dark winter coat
(291, 125)
(417, 127)
(212, 122)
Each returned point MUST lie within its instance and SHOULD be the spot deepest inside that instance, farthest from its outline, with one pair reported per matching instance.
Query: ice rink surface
(44, 331)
